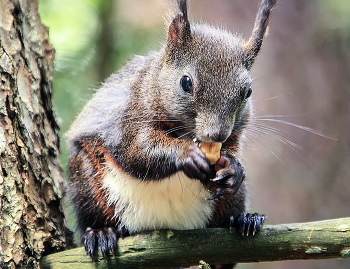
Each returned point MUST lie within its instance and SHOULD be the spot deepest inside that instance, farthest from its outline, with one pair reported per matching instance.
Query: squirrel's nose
(213, 128)
(217, 136)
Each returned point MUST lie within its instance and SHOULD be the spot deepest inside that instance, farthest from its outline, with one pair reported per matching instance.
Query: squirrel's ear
(179, 29)
(254, 43)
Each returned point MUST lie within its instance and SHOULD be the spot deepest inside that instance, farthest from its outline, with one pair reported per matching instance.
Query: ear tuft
(254, 43)
(179, 29)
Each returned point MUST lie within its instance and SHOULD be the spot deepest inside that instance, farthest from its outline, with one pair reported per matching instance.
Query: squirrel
(135, 163)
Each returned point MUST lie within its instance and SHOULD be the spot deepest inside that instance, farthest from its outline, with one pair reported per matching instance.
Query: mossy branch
(168, 248)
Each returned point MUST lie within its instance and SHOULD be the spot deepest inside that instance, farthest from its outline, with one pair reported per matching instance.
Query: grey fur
(209, 50)
(102, 115)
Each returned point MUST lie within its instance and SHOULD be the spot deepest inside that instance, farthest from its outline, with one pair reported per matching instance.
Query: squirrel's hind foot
(248, 223)
(105, 239)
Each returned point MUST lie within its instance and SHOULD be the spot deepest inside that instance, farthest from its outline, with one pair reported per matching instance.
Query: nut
(211, 150)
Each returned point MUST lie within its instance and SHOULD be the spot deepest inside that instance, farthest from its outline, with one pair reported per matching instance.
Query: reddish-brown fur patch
(99, 155)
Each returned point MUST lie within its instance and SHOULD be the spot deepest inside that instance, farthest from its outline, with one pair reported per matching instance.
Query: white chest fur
(177, 202)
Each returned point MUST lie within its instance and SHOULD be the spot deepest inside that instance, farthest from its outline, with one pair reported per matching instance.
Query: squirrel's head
(205, 74)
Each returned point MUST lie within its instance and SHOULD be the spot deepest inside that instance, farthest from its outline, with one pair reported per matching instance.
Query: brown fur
(87, 170)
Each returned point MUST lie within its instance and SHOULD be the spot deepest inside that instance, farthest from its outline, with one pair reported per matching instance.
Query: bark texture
(31, 178)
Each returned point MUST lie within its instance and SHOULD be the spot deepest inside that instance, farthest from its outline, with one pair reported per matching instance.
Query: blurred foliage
(92, 40)
(335, 14)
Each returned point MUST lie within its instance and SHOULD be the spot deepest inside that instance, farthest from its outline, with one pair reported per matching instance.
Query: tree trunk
(32, 221)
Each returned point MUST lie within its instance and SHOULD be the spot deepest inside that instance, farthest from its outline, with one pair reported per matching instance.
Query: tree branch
(168, 248)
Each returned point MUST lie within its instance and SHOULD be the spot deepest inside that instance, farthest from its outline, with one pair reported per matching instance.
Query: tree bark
(327, 239)
(32, 221)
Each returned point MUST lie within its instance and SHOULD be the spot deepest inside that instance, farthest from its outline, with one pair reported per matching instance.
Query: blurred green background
(92, 38)
(302, 76)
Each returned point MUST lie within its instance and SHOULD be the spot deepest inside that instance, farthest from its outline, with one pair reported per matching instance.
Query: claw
(248, 223)
(102, 242)
(218, 194)
(107, 240)
(254, 227)
(229, 179)
(89, 239)
(111, 239)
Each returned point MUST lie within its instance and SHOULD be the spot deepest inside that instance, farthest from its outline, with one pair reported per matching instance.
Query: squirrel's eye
(249, 93)
(186, 84)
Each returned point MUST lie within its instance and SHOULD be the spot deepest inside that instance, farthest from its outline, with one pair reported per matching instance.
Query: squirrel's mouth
(220, 138)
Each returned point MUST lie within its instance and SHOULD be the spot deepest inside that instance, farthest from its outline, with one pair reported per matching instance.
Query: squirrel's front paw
(195, 163)
(248, 223)
(229, 176)
(105, 239)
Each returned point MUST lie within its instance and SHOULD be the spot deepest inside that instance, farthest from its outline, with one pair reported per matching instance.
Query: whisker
(280, 138)
(188, 133)
(144, 112)
(151, 117)
(165, 133)
(150, 121)
(274, 133)
(144, 178)
(276, 96)
(176, 129)
(308, 129)
(255, 132)
(250, 137)
(272, 129)
(146, 115)
(278, 116)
